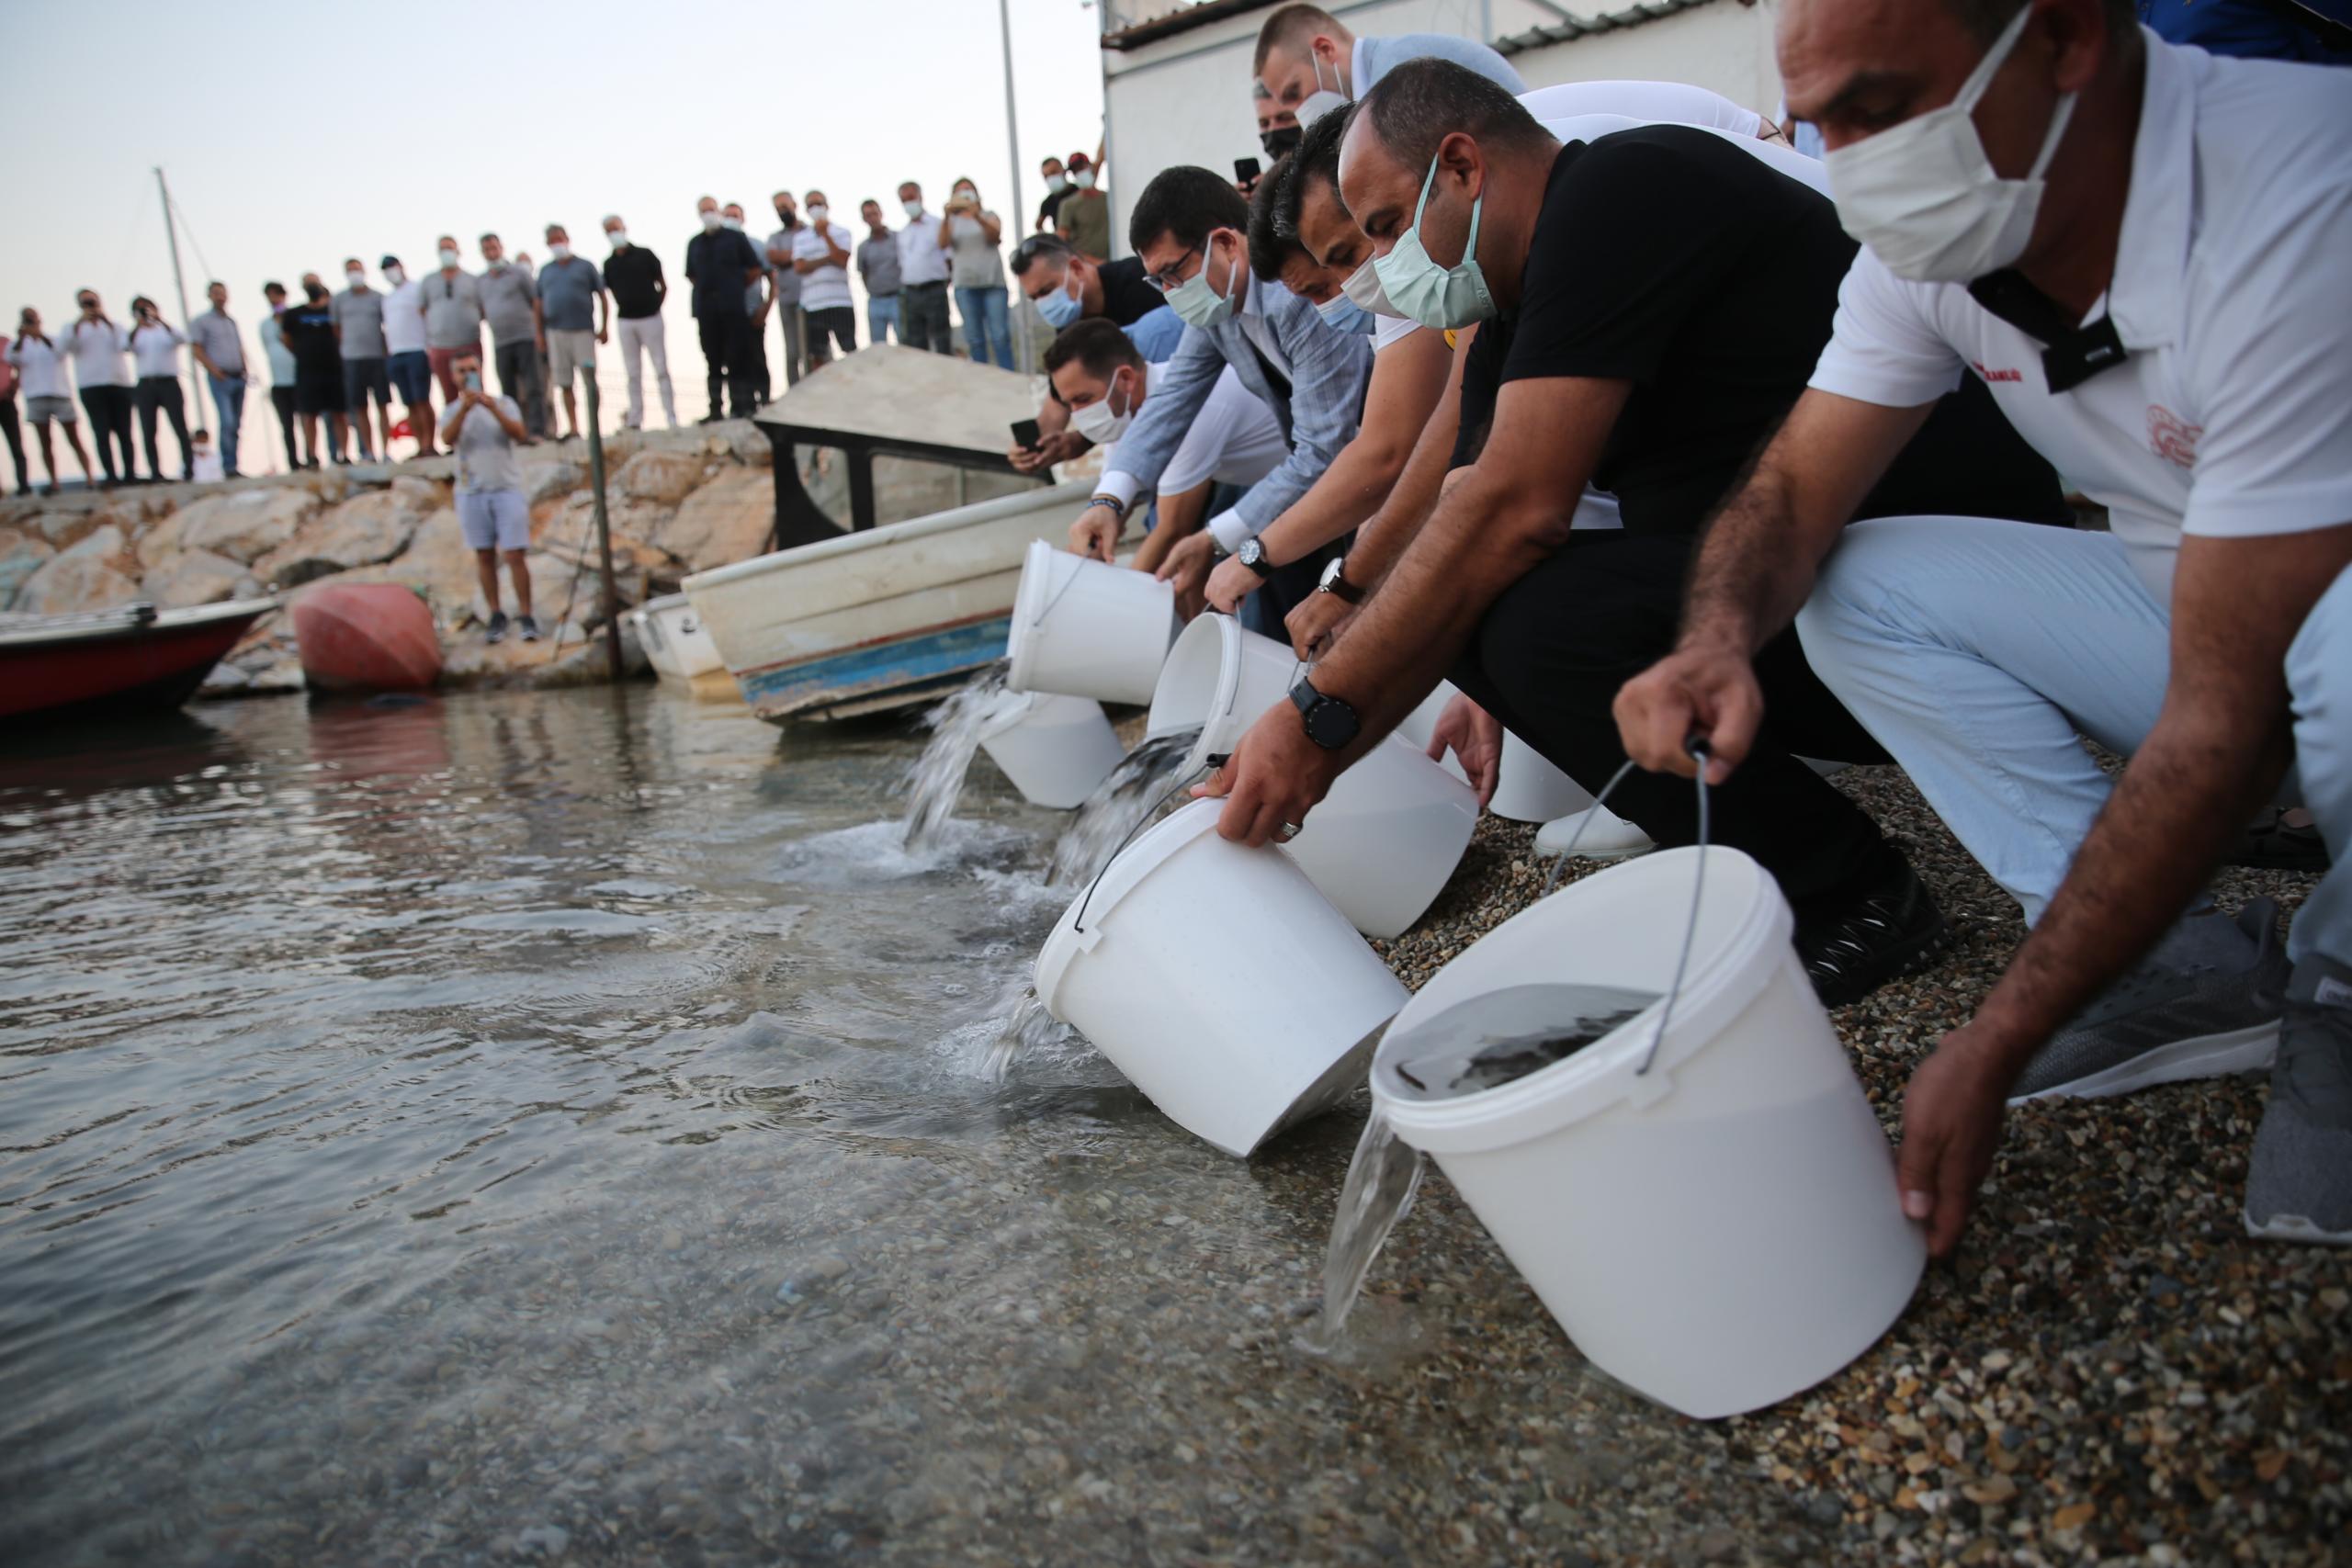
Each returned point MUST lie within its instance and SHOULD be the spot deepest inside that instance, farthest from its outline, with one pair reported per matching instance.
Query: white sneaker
(1609, 836)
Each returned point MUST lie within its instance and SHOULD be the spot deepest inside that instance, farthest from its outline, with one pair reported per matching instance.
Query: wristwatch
(1335, 580)
(1330, 723)
(1252, 554)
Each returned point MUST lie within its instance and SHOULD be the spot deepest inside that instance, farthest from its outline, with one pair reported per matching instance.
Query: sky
(294, 138)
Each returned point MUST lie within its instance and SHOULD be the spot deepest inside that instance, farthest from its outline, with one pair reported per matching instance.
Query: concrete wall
(1185, 99)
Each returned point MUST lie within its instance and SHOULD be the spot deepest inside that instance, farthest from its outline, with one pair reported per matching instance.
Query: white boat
(881, 618)
(670, 632)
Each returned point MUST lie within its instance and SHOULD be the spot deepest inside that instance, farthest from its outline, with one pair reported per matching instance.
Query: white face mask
(1323, 100)
(1097, 421)
(1925, 198)
(619, 237)
(966, 193)
(1056, 183)
(912, 208)
(448, 256)
(1433, 295)
(710, 222)
(1197, 303)
(735, 223)
(1364, 286)
(818, 211)
(356, 278)
(560, 253)
(396, 276)
(1083, 179)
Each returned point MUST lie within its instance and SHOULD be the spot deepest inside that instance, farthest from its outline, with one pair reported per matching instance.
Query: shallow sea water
(563, 1124)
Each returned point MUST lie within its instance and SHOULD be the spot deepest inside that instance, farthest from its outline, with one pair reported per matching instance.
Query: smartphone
(473, 380)
(1244, 169)
(1026, 434)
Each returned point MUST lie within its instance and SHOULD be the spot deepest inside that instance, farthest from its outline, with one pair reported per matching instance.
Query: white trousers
(645, 333)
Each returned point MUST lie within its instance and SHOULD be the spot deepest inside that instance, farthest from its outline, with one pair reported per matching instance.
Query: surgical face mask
(619, 237)
(1443, 297)
(1083, 179)
(448, 256)
(1344, 314)
(1364, 286)
(912, 208)
(734, 223)
(1061, 307)
(1323, 100)
(396, 275)
(1280, 141)
(817, 213)
(1098, 423)
(1198, 304)
(710, 222)
(356, 278)
(1056, 183)
(560, 253)
(1925, 198)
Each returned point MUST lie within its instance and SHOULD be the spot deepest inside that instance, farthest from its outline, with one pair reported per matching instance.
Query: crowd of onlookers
(351, 368)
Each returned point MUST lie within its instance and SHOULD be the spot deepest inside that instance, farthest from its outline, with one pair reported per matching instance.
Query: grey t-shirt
(216, 335)
(567, 294)
(452, 311)
(360, 313)
(788, 282)
(976, 264)
(506, 296)
(877, 264)
(485, 452)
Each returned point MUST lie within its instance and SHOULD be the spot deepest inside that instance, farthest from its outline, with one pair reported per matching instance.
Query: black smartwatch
(1335, 581)
(1330, 723)
(1252, 554)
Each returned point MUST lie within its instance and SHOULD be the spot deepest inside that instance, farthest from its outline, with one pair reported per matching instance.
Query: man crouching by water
(491, 508)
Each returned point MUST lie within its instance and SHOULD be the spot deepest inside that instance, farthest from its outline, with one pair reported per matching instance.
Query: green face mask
(1441, 297)
(1196, 303)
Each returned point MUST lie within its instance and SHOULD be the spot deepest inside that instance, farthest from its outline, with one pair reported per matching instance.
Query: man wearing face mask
(1098, 378)
(407, 363)
(1188, 230)
(510, 302)
(820, 257)
(634, 275)
(2144, 252)
(1652, 366)
(358, 314)
(786, 283)
(97, 344)
(1057, 186)
(922, 277)
(573, 314)
(877, 268)
(722, 264)
(1083, 220)
(1308, 64)
(453, 316)
(758, 301)
(308, 329)
(1067, 288)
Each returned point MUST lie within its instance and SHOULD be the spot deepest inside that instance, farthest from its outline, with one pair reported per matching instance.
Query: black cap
(389, 261)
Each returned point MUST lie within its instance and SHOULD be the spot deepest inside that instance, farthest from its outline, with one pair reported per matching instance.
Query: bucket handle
(1206, 769)
(1697, 750)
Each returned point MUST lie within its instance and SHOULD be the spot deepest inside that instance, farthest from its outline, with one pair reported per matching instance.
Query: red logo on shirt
(1997, 374)
(2171, 437)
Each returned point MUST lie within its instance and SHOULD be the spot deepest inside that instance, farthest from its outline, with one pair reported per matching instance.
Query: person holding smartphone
(495, 515)
(155, 355)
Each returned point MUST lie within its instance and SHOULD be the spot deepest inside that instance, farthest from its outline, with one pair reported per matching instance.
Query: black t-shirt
(309, 330)
(1126, 298)
(633, 275)
(1049, 208)
(717, 262)
(1670, 258)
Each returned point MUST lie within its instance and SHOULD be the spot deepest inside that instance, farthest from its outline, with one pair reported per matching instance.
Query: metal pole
(1012, 124)
(187, 323)
(604, 532)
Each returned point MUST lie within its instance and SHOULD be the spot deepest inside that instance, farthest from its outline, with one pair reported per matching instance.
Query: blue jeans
(882, 319)
(229, 405)
(987, 325)
(1975, 652)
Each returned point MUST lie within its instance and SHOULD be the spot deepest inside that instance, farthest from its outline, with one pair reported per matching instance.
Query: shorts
(569, 350)
(497, 519)
(318, 391)
(40, 410)
(412, 374)
(361, 376)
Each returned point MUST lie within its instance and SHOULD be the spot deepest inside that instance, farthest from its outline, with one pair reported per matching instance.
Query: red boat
(129, 657)
(365, 637)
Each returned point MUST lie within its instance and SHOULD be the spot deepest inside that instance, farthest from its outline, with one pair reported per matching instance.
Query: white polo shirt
(1235, 439)
(2232, 292)
(1667, 103)
(96, 349)
(404, 320)
(922, 258)
(826, 288)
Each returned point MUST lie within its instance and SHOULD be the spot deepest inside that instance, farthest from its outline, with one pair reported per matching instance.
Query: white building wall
(1186, 99)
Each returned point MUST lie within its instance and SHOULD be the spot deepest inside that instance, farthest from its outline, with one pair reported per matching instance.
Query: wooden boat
(120, 659)
(882, 618)
(365, 637)
(670, 631)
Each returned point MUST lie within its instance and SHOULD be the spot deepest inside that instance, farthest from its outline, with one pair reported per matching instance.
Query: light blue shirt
(281, 358)
(1155, 334)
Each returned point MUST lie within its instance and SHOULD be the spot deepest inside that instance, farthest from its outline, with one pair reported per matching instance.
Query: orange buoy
(365, 637)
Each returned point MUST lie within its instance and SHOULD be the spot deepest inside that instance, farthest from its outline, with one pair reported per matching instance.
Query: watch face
(1252, 552)
(1330, 723)
(1332, 570)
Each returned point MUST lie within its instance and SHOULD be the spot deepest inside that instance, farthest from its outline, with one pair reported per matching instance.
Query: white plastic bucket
(1219, 981)
(1055, 749)
(1528, 788)
(1419, 727)
(1084, 629)
(1721, 1231)
(1394, 827)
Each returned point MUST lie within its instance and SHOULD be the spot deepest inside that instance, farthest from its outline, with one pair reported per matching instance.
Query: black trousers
(109, 412)
(727, 357)
(519, 379)
(9, 427)
(282, 399)
(837, 323)
(755, 349)
(1547, 660)
(162, 393)
(922, 317)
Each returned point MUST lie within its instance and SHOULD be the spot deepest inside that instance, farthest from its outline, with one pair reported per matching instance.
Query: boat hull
(675, 643)
(86, 667)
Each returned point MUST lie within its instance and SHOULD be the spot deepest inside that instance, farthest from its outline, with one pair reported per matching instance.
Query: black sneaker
(528, 627)
(497, 633)
(1892, 930)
